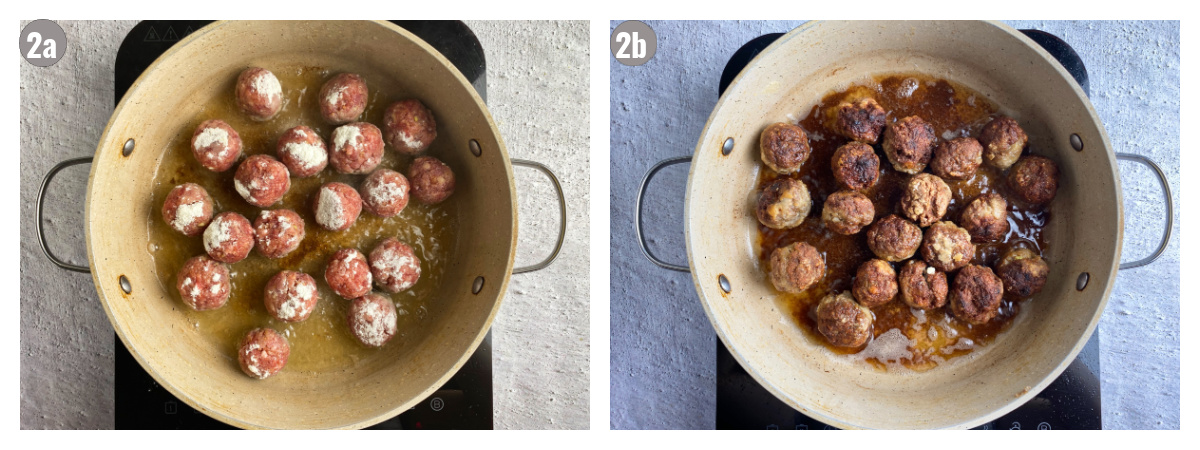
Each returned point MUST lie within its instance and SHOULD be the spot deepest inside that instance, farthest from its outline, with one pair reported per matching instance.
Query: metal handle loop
(637, 213)
(41, 199)
(562, 208)
(1166, 236)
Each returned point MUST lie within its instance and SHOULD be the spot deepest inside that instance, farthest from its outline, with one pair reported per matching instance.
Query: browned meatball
(357, 148)
(343, 98)
(259, 94)
(894, 239)
(784, 203)
(908, 144)
(203, 283)
(263, 352)
(336, 206)
(875, 283)
(861, 121)
(384, 193)
(303, 151)
(784, 147)
(188, 209)
(291, 296)
(394, 266)
(843, 321)
(975, 295)
(847, 212)
(1023, 272)
(957, 159)
(925, 199)
(986, 218)
(431, 180)
(229, 238)
(796, 267)
(372, 319)
(922, 286)
(1034, 179)
(348, 273)
(855, 166)
(278, 232)
(1003, 140)
(262, 180)
(410, 126)
(216, 145)
(947, 247)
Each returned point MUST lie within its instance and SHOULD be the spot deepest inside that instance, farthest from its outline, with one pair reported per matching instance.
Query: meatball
(263, 352)
(343, 98)
(384, 193)
(908, 144)
(262, 180)
(432, 180)
(947, 247)
(1022, 272)
(957, 159)
(303, 151)
(875, 283)
(372, 319)
(986, 218)
(348, 273)
(259, 94)
(1003, 140)
(847, 212)
(784, 203)
(394, 266)
(922, 286)
(290, 296)
(975, 295)
(861, 121)
(278, 232)
(784, 147)
(229, 238)
(855, 166)
(357, 148)
(188, 209)
(203, 283)
(410, 126)
(336, 206)
(843, 321)
(925, 199)
(1034, 179)
(216, 145)
(893, 238)
(796, 267)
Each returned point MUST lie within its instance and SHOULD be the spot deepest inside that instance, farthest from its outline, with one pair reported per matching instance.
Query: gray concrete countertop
(538, 90)
(663, 357)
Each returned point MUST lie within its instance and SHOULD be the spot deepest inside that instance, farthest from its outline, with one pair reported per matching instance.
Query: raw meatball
(783, 204)
(784, 147)
(263, 352)
(348, 273)
(372, 319)
(303, 151)
(290, 296)
(278, 232)
(796, 267)
(894, 239)
(343, 98)
(259, 94)
(203, 283)
(957, 159)
(216, 145)
(855, 166)
(1034, 179)
(1023, 272)
(861, 121)
(875, 283)
(262, 180)
(947, 247)
(432, 180)
(843, 321)
(986, 218)
(1003, 141)
(336, 206)
(975, 295)
(847, 212)
(925, 199)
(922, 286)
(909, 144)
(394, 266)
(384, 193)
(357, 148)
(188, 209)
(229, 238)
(410, 126)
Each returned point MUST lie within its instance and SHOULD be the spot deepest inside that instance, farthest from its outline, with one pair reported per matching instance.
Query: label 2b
(43, 43)
(633, 43)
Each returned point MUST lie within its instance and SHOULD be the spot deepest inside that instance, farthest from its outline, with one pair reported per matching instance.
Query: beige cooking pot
(1084, 233)
(145, 314)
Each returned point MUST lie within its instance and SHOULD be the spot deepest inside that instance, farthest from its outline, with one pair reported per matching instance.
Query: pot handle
(41, 199)
(562, 208)
(637, 213)
(1162, 180)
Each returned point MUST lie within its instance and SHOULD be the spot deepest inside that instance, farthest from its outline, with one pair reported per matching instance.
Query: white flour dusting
(410, 141)
(335, 96)
(186, 214)
(210, 136)
(307, 155)
(241, 190)
(329, 210)
(346, 135)
(386, 193)
(266, 84)
(217, 234)
(375, 324)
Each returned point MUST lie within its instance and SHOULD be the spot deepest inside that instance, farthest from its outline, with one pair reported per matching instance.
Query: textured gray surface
(662, 345)
(538, 88)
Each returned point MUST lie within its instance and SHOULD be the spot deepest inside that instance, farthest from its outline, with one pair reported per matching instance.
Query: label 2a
(42, 48)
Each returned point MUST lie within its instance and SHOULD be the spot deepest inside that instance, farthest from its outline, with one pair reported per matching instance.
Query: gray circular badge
(633, 43)
(43, 43)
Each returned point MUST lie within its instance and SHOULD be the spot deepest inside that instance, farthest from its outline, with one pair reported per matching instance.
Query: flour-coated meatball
(795, 267)
(336, 206)
(783, 147)
(431, 180)
(783, 204)
(229, 238)
(303, 151)
(278, 232)
(216, 145)
(847, 212)
(893, 238)
(1003, 140)
(343, 98)
(394, 266)
(855, 166)
(843, 321)
(259, 94)
(372, 319)
(410, 126)
(357, 148)
(188, 209)
(203, 283)
(291, 296)
(384, 193)
(262, 180)
(348, 273)
(263, 352)
(908, 144)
